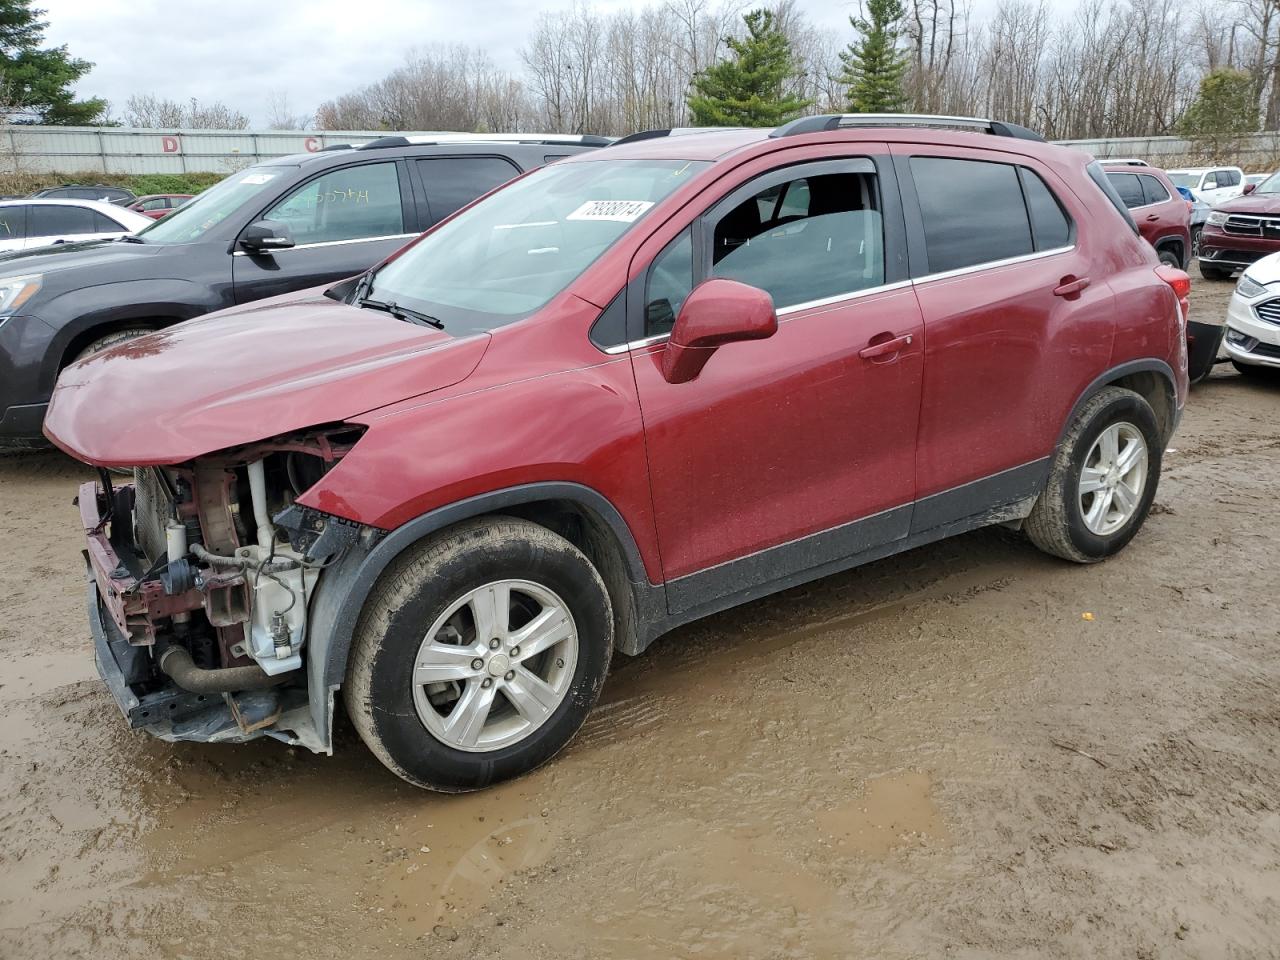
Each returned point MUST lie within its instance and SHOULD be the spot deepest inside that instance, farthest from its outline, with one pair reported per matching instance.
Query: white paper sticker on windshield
(623, 211)
(258, 178)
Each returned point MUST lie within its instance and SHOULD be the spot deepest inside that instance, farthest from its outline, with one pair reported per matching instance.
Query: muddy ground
(968, 751)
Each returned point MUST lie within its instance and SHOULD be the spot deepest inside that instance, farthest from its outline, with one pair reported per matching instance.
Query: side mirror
(263, 236)
(717, 312)
(1250, 187)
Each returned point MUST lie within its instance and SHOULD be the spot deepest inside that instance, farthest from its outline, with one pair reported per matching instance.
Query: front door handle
(1071, 286)
(885, 348)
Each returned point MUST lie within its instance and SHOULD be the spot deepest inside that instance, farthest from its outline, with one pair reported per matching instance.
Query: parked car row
(652, 380)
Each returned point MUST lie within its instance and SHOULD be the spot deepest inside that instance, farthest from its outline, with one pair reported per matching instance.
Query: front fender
(76, 313)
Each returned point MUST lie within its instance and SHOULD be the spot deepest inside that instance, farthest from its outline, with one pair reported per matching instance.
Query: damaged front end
(202, 577)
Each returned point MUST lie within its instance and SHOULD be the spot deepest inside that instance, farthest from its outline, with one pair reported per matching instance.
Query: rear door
(781, 439)
(343, 221)
(1016, 324)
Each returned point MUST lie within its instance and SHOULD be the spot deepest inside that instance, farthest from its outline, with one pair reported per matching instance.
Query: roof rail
(544, 139)
(673, 132)
(839, 121)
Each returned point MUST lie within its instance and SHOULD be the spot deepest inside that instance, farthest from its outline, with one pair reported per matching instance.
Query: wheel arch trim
(1119, 372)
(339, 601)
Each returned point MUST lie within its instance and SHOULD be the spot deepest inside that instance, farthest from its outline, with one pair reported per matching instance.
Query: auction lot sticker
(624, 211)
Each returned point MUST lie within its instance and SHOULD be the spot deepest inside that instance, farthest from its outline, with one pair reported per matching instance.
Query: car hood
(1255, 203)
(245, 374)
(1265, 270)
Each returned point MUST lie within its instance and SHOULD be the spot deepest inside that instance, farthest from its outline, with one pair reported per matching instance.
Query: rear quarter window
(1153, 190)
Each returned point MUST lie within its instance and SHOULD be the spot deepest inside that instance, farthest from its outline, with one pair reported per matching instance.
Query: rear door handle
(1071, 287)
(885, 348)
(1153, 216)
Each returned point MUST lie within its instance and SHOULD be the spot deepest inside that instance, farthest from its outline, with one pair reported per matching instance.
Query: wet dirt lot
(935, 755)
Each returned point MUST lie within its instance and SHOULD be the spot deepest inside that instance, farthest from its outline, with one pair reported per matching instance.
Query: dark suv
(623, 392)
(280, 226)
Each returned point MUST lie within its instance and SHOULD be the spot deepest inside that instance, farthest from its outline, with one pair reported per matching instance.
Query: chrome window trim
(786, 312)
(332, 243)
(994, 264)
(783, 314)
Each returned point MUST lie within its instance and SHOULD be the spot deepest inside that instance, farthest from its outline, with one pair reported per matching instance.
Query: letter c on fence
(169, 144)
(312, 144)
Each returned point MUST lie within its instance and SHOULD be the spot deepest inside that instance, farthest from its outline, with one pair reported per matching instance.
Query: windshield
(510, 254)
(1269, 185)
(1188, 180)
(204, 212)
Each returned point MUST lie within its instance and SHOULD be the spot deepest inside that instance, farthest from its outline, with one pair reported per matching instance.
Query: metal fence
(1249, 151)
(36, 149)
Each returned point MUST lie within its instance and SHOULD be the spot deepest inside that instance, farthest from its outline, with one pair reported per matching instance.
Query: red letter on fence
(169, 144)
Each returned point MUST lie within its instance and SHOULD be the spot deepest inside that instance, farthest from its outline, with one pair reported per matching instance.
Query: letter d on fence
(169, 144)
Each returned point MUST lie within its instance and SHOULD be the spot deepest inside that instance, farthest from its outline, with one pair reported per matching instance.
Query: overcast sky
(237, 51)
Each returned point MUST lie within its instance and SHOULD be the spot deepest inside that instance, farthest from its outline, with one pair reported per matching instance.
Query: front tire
(112, 339)
(479, 654)
(1102, 481)
(1255, 371)
(1210, 272)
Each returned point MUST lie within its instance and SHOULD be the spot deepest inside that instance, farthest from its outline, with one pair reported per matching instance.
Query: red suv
(625, 391)
(1241, 230)
(1162, 215)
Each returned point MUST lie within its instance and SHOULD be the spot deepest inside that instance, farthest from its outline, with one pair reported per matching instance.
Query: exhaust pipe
(177, 665)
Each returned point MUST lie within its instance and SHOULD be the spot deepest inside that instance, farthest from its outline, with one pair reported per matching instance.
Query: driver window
(805, 239)
(1211, 182)
(346, 204)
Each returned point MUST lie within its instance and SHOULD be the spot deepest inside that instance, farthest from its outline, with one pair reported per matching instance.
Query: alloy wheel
(495, 665)
(1113, 479)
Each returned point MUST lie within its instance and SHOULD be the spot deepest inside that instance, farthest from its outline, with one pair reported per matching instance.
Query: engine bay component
(176, 663)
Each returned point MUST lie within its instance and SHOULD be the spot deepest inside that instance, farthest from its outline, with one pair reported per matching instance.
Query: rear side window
(1049, 222)
(1154, 190)
(51, 221)
(973, 212)
(1129, 186)
(1228, 178)
(1099, 177)
(453, 182)
(13, 223)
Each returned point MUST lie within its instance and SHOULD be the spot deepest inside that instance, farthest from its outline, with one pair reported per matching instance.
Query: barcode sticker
(623, 211)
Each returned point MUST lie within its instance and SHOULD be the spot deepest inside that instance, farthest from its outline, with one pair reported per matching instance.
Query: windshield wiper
(401, 313)
(130, 239)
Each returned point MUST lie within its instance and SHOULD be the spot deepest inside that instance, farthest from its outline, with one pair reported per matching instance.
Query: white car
(1210, 184)
(37, 222)
(1253, 320)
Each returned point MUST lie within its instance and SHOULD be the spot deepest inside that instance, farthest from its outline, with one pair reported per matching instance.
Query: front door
(343, 222)
(759, 464)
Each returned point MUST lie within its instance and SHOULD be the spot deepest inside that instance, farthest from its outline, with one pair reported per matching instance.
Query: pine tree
(36, 82)
(873, 66)
(748, 89)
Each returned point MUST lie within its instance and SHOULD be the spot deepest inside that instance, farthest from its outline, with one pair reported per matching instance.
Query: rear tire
(1169, 258)
(1195, 242)
(1095, 500)
(1214, 273)
(466, 597)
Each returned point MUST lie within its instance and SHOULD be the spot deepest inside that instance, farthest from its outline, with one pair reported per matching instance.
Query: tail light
(1181, 284)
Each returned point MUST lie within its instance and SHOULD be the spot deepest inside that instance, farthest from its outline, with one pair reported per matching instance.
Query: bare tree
(148, 110)
(281, 117)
